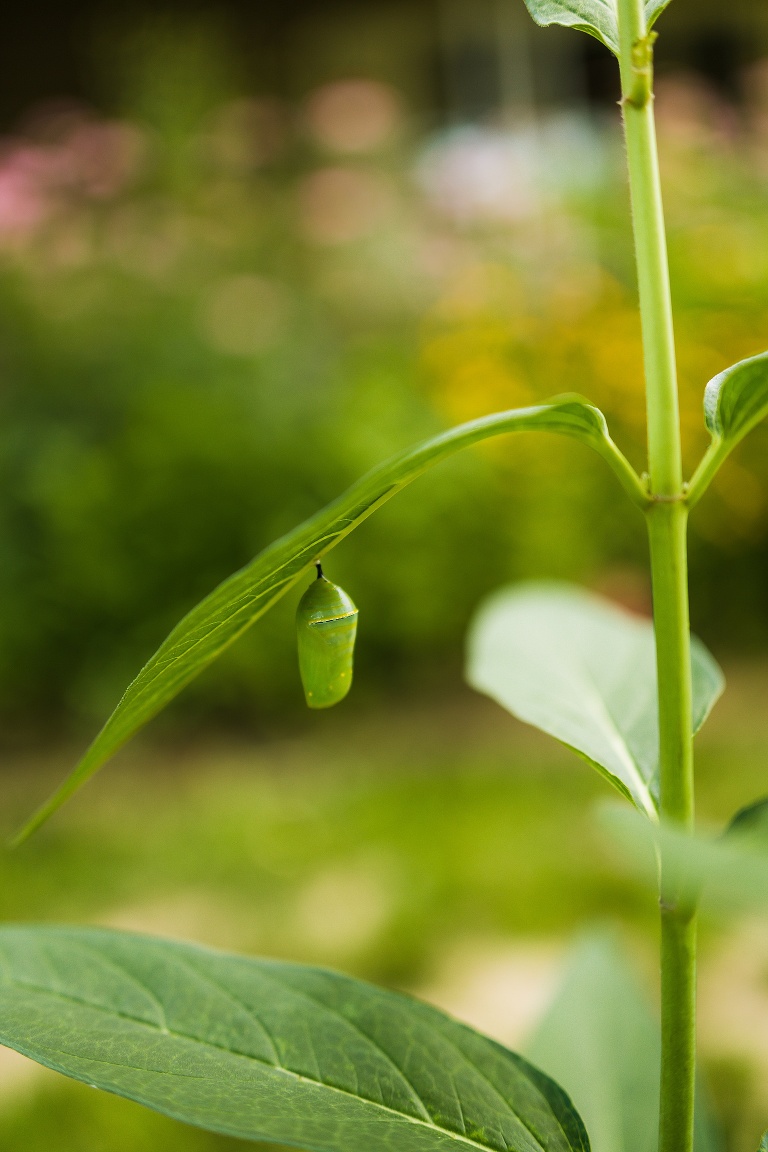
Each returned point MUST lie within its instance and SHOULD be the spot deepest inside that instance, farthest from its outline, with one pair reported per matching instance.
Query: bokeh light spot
(354, 115)
(338, 205)
(245, 315)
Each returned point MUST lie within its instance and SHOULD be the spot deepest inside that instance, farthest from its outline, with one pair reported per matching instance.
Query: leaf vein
(427, 1122)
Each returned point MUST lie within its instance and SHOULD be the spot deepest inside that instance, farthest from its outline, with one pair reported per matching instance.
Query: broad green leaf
(597, 17)
(235, 605)
(270, 1051)
(723, 875)
(583, 670)
(600, 1039)
(764, 1143)
(734, 402)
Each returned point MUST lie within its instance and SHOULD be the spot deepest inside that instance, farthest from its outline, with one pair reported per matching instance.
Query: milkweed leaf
(583, 670)
(726, 874)
(599, 18)
(750, 825)
(734, 402)
(600, 1038)
(270, 1051)
(596, 17)
(223, 616)
(654, 9)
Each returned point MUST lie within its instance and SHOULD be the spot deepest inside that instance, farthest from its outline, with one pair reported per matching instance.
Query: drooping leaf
(223, 616)
(599, 18)
(600, 1039)
(734, 402)
(270, 1051)
(583, 670)
(727, 874)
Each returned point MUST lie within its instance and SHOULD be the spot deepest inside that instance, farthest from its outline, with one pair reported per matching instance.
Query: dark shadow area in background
(49, 50)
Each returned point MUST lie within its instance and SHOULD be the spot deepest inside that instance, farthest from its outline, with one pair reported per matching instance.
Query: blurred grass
(425, 828)
(378, 843)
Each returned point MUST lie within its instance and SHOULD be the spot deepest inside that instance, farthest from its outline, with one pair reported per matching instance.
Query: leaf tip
(17, 838)
(45, 811)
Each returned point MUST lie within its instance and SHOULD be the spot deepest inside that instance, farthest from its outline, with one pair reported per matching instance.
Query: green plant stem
(667, 519)
(664, 456)
(667, 522)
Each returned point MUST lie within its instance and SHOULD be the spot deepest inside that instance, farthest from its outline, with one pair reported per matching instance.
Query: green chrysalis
(326, 625)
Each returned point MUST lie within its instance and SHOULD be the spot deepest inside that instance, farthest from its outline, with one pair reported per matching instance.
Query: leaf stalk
(707, 470)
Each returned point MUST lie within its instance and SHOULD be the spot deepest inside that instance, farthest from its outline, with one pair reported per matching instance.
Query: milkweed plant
(281, 1052)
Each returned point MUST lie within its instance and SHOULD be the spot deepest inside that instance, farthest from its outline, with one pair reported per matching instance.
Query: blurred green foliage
(217, 312)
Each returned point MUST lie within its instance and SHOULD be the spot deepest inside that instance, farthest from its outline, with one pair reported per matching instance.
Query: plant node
(641, 92)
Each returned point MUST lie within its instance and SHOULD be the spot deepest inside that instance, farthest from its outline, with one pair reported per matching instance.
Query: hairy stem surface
(666, 519)
(636, 60)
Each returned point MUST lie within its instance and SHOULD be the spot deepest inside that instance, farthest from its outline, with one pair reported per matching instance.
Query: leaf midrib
(618, 741)
(271, 977)
(278, 1068)
(446, 1040)
(635, 771)
(318, 1004)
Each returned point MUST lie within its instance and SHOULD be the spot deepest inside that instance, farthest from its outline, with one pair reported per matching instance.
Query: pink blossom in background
(93, 159)
(354, 115)
(24, 201)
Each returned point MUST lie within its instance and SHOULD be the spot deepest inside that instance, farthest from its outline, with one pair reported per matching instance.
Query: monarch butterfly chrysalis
(326, 624)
